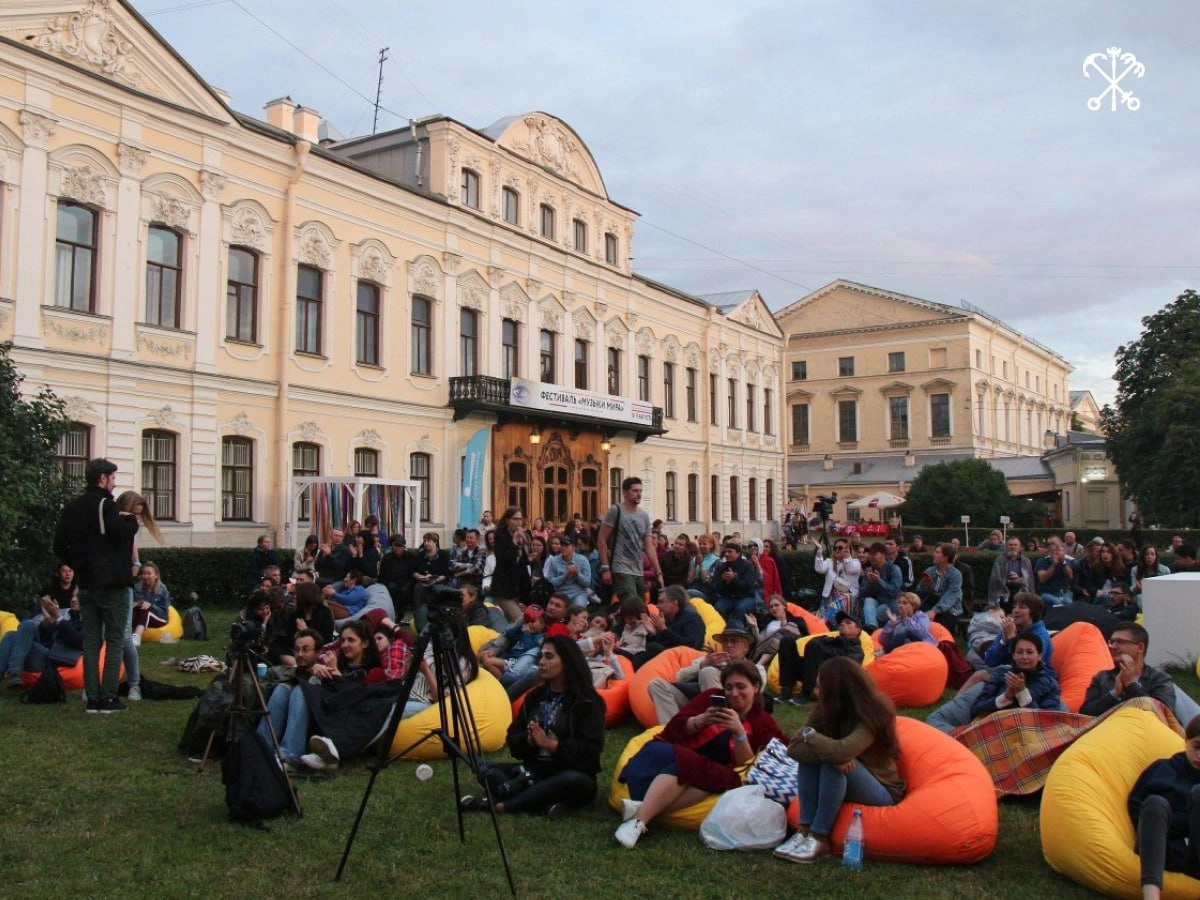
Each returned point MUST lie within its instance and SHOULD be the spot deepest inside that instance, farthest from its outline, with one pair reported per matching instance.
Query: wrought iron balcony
(485, 393)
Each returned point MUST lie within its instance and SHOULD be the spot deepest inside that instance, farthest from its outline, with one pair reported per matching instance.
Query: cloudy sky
(940, 149)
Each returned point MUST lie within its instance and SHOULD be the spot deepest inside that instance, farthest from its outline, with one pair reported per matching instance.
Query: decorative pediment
(552, 313)
(425, 277)
(585, 325)
(552, 144)
(691, 355)
(671, 348)
(938, 386)
(895, 388)
(615, 333)
(472, 291)
(315, 245)
(373, 262)
(248, 224)
(645, 341)
(514, 302)
(847, 392)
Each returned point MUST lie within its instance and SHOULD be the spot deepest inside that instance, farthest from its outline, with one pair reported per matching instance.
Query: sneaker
(324, 748)
(111, 705)
(13, 680)
(812, 851)
(556, 811)
(137, 639)
(135, 693)
(315, 762)
(629, 832)
(469, 803)
(799, 701)
(629, 809)
(93, 706)
(795, 847)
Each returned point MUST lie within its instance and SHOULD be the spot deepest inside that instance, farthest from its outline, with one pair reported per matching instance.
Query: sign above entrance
(556, 398)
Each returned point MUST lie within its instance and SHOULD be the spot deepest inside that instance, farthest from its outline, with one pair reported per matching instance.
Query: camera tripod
(241, 722)
(457, 729)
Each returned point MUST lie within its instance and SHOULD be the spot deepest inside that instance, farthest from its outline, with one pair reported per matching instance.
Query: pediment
(551, 143)
(110, 39)
(753, 313)
(846, 305)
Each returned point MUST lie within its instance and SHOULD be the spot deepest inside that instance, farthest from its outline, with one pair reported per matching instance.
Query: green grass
(92, 806)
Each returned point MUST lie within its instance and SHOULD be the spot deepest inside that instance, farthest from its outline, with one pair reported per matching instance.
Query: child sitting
(1165, 807)
(523, 640)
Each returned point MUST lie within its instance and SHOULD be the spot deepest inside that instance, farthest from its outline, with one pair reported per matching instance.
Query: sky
(939, 149)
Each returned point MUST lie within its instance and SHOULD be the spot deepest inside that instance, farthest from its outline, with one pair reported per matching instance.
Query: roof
(891, 469)
(727, 300)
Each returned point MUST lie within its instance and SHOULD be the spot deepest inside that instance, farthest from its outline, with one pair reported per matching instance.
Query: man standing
(624, 537)
(96, 540)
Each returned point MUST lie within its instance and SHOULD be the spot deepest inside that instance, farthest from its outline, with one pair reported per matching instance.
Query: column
(32, 231)
(127, 286)
(210, 299)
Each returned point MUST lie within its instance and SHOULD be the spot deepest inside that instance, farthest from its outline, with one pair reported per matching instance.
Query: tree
(943, 493)
(1151, 428)
(32, 489)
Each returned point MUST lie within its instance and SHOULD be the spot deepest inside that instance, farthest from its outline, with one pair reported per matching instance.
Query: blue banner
(470, 508)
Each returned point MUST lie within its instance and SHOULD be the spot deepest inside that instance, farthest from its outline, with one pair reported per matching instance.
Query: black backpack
(48, 688)
(194, 627)
(256, 788)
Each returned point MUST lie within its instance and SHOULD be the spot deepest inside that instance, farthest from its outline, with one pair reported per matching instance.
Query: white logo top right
(1112, 65)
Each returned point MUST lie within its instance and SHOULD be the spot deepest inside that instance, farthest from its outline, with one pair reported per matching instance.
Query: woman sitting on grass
(1165, 807)
(847, 753)
(910, 627)
(696, 753)
(557, 736)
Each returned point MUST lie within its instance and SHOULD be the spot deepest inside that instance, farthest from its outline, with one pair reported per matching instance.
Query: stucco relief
(425, 278)
(241, 425)
(472, 291)
(513, 303)
(246, 227)
(35, 129)
(165, 417)
(310, 432)
(91, 36)
(75, 332)
(645, 341)
(692, 356)
(585, 327)
(368, 437)
(671, 349)
(171, 211)
(372, 262)
(314, 247)
(550, 145)
(165, 349)
(76, 408)
(82, 184)
(552, 319)
(130, 160)
(615, 333)
(211, 184)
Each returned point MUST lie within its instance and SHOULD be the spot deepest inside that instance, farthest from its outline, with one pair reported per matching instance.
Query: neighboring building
(1091, 491)
(1085, 412)
(226, 303)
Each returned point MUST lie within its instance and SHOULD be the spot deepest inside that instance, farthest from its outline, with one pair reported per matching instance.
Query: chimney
(307, 124)
(279, 113)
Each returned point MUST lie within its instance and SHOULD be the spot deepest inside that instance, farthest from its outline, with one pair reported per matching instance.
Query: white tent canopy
(877, 500)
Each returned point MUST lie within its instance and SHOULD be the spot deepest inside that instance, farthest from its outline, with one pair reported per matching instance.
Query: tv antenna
(383, 55)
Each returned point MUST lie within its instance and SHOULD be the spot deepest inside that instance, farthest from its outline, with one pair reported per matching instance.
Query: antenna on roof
(379, 89)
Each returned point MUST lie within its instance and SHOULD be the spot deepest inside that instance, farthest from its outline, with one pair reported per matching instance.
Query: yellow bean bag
(8, 622)
(479, 635)
(1087, 834)
(912, 674)
(688, 818)
(665, 665)
(714, 624)
(493, 715)
(773, 668)
(174, 627)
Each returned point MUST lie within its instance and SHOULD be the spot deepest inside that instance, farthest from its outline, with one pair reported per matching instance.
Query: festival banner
(558, 399)
(470, 508)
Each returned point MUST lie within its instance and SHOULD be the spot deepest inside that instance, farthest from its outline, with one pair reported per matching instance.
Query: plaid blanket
(1018, 746)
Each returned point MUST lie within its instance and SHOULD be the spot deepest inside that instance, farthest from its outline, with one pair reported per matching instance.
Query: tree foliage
(1153, 428)
(32, 489)
(943, 493)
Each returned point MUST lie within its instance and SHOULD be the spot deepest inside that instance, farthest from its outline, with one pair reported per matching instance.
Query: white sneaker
(629, 832)
(324, 748)
(796, 848)
(137, 640)
(629, 809)
(135, 692)
(314, 762)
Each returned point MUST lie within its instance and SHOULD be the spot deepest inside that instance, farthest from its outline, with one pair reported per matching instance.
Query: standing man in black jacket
(96, 540)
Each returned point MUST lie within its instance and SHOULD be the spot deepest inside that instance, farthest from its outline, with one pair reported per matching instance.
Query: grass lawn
(92, 806)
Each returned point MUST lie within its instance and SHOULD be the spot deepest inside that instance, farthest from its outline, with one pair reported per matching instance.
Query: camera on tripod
(246, 635)
(824, 505)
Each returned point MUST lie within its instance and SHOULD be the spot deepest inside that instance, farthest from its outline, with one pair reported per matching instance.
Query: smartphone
(719, 701)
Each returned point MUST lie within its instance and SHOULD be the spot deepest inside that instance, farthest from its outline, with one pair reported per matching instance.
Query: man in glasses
(1130, 676)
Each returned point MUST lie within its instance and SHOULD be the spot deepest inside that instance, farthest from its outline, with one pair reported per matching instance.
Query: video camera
(246, 635)
(824, 505)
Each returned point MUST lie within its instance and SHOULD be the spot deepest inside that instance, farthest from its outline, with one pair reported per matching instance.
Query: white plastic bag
(744, 819)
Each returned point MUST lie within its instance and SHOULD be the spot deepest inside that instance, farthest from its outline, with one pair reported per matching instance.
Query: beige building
(1085, 412)
(228, 303)
(880, 384)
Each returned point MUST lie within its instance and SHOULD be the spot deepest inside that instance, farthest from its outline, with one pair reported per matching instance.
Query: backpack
(255, 786)
(208, 719)
(48, 688)
(959, 669)
(194, 626)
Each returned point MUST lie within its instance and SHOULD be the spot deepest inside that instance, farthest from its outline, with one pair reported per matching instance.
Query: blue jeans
(133, 664)
(823, 790)
(21, 649)
(104, 613)
(735, 608)
(875, 611)
(287, 711)
(520, 667)
(1052, 600)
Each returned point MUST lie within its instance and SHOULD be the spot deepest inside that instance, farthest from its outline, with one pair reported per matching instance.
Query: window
(800, 423)
(615, 477)
(75, 258)
(714, 498)
(847, 421)
(845, 366)
(896, 362)
(979, 359)
(643, 378)
(510, 333)
(732, 404)
(735, 513)
(366, 324)
(614, 371)
(752, 498)
(610, 249)
(419, 466)
(555, 492)
(164, 273)
(581, 364)
(580, 228)
(713, 381)
(693, 500)
(518, 484)
(669, 390)
(366, 462)
(470, 189)
(422, 336)
(468, 341)
(306, 463)
(158, 473)
(689, 390)
(547, 221)
(589, 493)
(751, 405)
(74, 451)
(511, 201)
(237, 479)
(241, 296)
(770, 499)
(898, 418)
(672, 509)
(308, 309)
(546, 351)
(939, 414)
(768, 426)
(799, 370)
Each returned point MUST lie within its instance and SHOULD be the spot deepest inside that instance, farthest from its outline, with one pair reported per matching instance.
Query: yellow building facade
(228, 303)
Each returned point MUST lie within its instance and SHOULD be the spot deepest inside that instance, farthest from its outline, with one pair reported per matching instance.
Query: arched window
(518, 485)
(309, 303)
(366, 462)
(74, 451)
(555, 493)
(366, 324)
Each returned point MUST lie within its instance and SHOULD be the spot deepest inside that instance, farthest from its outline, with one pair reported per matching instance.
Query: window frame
(690, 376)
(231, 494)
(613, 371)
(159, 297)
(714, 498)
(844, 407)
(239, 294)
(669, 390)
(752, 498)
(735, 512)
(670, 490)
(906, 432)
(845, 367)
(367, 324)
(361, 456)
(799, 370)
(547, 221)
(770, 498)
(714, 405)
(582, 351)
(308, 308)
(420, 470)
(510, 348)
(75, 249)
(510, 205)
(421, 336)
(300, 470)
(611, 249)
(72, 465)
(643, 378)
(548, 356)
(751, 407)
(896, 361)
(797, 418)
(469, 188)
(768, 419)
(579, 232)
(731, 384)
(468, 341)
(693, 497)
(941, 399)
(161, 501)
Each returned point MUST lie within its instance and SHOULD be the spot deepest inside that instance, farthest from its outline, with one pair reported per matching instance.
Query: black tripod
(241, 722)
(457, 730)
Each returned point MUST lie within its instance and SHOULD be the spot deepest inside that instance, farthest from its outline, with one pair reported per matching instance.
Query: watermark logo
(1105, 65)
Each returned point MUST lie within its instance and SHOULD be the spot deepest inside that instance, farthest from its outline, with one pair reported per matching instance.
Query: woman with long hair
(557, 737)
(847, 752)
(151, 602)
(766, 640)
(312, 612)
(511, 552)
(696, 754)
(135, 504)
(425, 689)
(1147, 566)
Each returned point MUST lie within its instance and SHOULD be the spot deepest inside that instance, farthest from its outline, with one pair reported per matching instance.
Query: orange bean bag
(616, 694)
(688, 819)
(816, 625)
(912, 675)
(665, 665)
(773, 668)
(1080, 651)
(72, 676)
(949, 815)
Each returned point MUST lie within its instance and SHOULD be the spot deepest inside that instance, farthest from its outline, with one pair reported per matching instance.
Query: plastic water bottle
(852, 853)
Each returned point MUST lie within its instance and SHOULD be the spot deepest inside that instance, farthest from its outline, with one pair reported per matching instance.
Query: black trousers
(1154, 847)
(573, 788)
(796, 667)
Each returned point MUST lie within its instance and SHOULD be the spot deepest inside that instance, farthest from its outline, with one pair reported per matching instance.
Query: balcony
(485, 394)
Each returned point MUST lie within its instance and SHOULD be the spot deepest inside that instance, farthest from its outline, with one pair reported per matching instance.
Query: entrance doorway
(556, 478)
